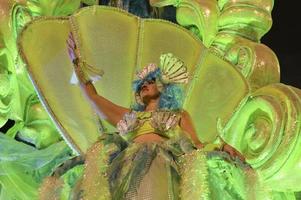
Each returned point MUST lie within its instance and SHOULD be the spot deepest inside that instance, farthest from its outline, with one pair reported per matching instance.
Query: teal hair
(171, 98)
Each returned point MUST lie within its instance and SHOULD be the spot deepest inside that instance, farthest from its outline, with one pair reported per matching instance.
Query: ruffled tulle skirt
(116, 169)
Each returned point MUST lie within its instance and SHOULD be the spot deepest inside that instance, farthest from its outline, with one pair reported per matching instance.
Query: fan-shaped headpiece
(171, 71)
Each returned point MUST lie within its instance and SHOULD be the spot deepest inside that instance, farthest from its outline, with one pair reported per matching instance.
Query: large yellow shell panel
(108, 39)
(217, 91)
(121, 43)
(44, 48)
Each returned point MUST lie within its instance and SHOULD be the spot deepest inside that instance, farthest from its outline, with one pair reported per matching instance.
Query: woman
(154, 156)
(149, 94)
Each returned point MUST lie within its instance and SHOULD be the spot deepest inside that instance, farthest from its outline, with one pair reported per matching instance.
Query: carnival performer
(156, 154)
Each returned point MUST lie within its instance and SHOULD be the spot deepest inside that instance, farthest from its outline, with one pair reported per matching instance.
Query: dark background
(284, 39)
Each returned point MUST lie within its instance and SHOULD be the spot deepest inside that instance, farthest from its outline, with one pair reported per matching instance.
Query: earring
(160, 85)
(138, 99)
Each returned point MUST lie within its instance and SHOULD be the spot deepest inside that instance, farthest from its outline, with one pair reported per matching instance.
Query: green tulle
(23, 167)
(70, 179)
(182, 171)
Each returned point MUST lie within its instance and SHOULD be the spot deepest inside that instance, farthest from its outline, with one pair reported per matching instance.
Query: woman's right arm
(111, 112)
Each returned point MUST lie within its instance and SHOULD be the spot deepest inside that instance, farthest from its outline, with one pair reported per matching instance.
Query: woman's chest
(140, 123)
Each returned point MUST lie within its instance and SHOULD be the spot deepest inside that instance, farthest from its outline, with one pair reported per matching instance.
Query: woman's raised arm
(111, 112)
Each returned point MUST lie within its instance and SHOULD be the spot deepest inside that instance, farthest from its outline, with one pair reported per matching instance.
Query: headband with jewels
(171, 71)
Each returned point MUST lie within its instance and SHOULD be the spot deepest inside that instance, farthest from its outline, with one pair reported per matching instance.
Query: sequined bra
(135, 123)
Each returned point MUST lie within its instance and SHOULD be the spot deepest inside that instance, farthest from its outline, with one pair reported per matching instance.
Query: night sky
(284, 39)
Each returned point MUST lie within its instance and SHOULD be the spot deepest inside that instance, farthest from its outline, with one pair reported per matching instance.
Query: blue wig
(151, 76)
(171, 97)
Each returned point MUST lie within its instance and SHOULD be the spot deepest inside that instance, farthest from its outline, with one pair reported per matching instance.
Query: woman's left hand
(72, 49)
(233, 152)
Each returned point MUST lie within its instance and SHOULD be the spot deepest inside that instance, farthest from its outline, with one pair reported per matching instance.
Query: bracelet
(75, 61)
(81, 75)
(86, 72)
(220, 143)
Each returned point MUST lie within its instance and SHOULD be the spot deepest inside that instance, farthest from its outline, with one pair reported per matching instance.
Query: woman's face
(149, 90)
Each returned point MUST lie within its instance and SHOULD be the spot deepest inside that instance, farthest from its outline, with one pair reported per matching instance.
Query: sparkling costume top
(163, 123)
